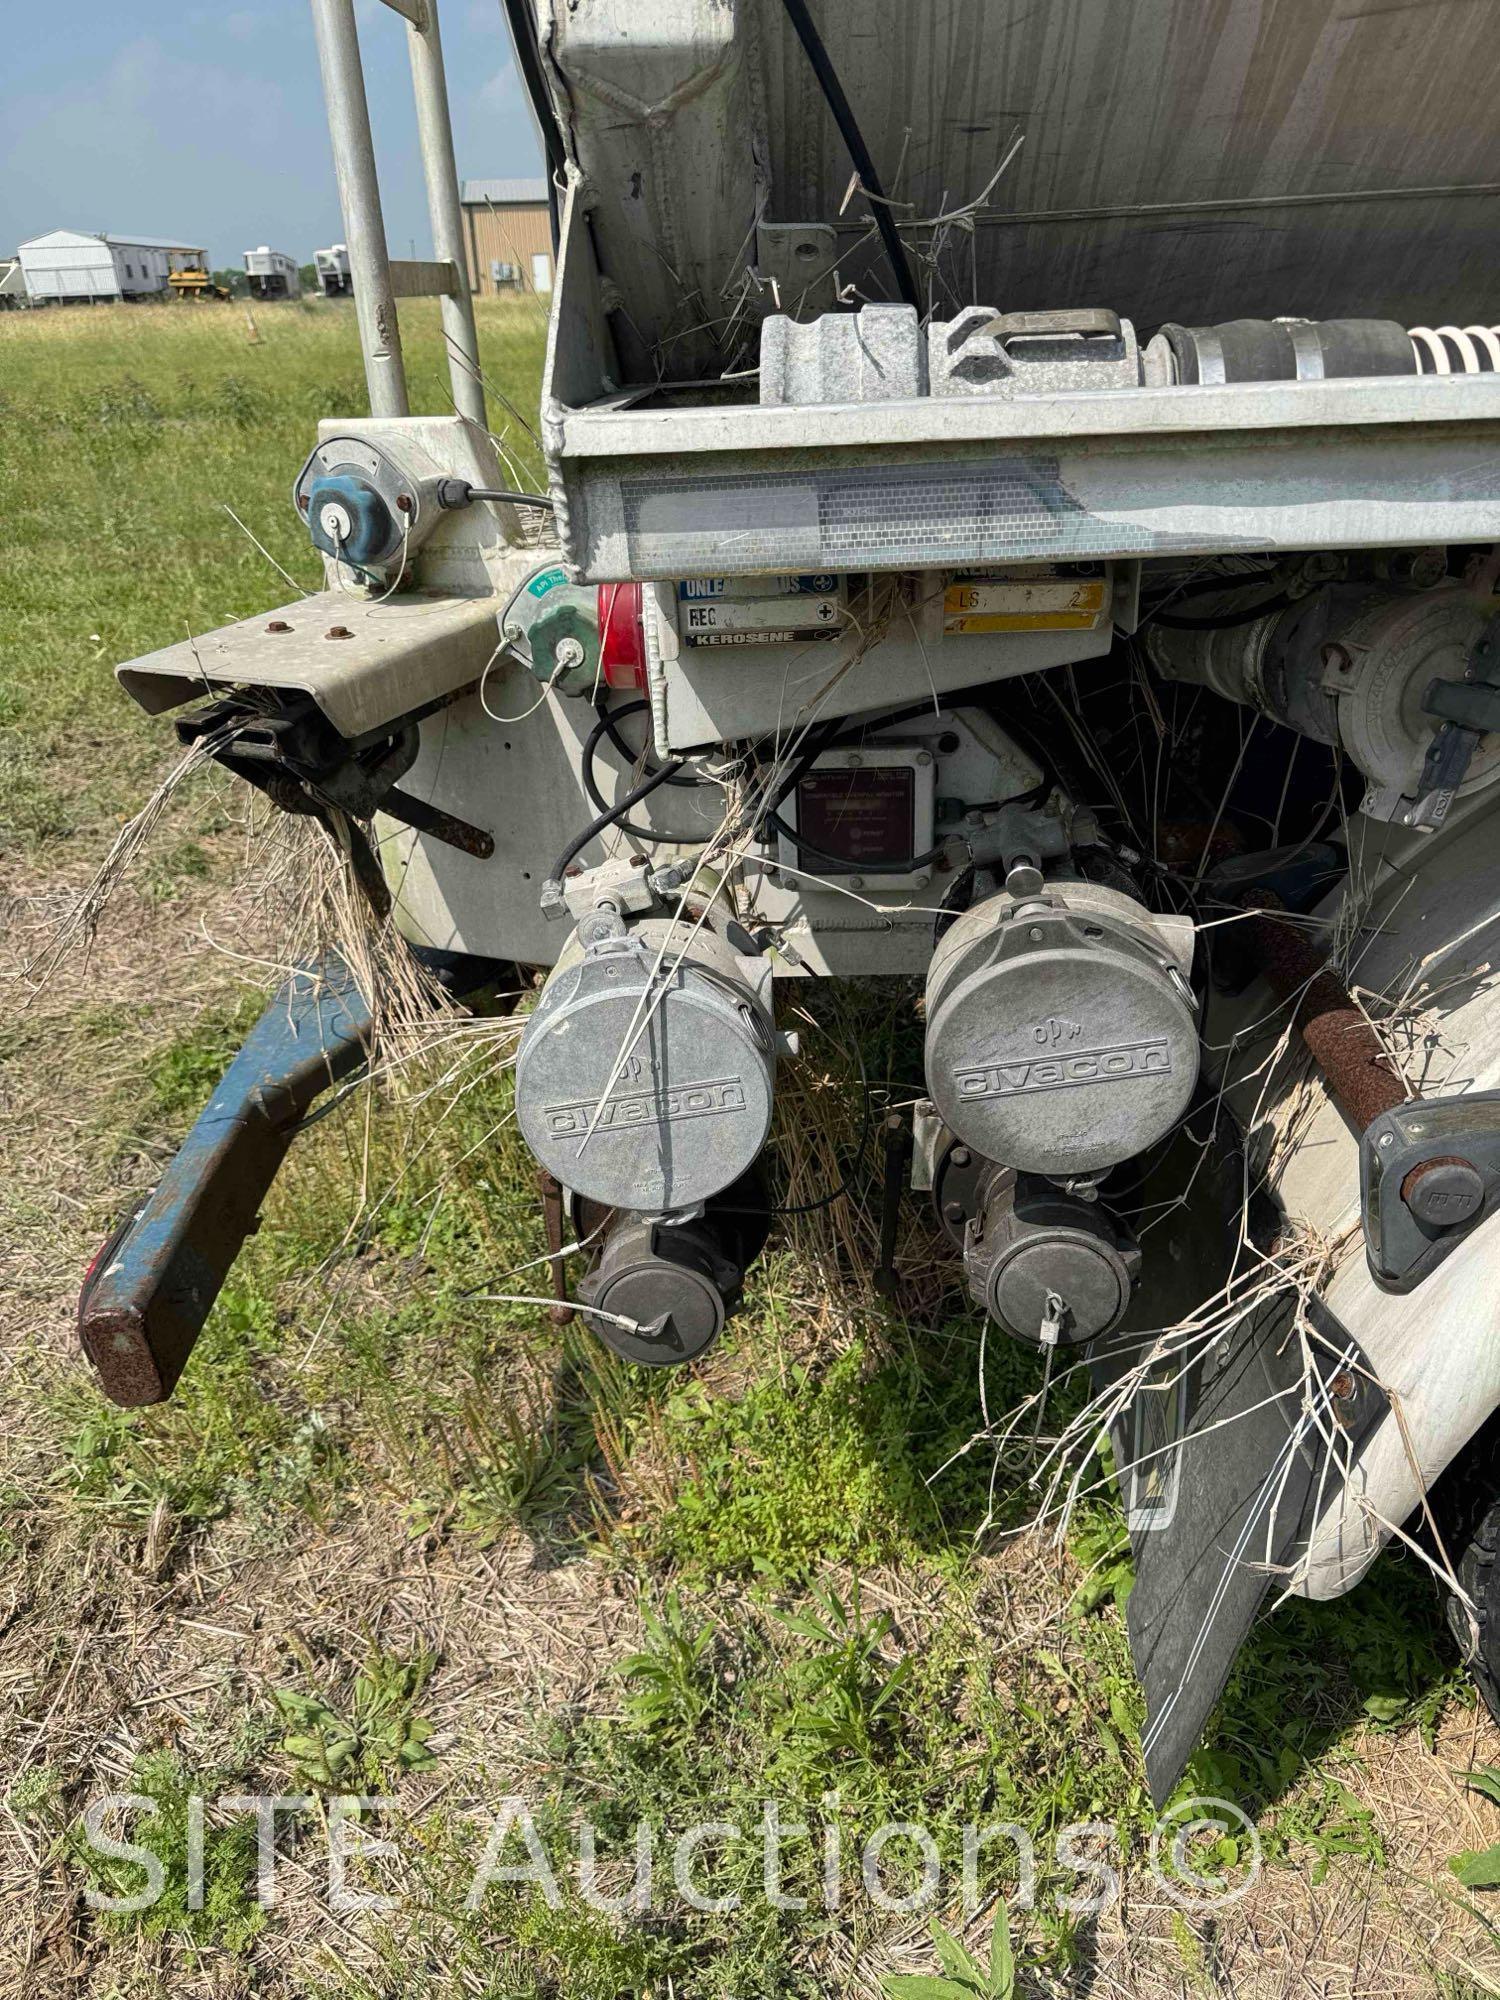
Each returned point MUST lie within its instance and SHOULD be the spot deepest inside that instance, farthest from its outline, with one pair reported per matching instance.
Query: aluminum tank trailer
(272, 274)
(1047, 554)
(331, 267)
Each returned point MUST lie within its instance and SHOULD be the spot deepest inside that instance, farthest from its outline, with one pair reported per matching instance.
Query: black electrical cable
(601, 804)
(515, 499)
(859, 152)
(612, 817)
(521, 20)
(829, 734)
(611, 718)
(596, 735)
(828, 738)
(1219, 582)
(947, 909)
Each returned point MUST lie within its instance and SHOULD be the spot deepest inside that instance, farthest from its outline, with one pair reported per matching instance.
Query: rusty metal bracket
(292, 753)
(551, 1188)
(896, 1135)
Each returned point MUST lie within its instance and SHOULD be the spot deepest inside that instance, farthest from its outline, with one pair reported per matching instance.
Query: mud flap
(1222, 1478)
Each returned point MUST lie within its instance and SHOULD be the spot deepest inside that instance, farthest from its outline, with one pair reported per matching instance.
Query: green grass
(125, 433)
(814, 1618)
(224, 1916)
(182, 1073)
(368, 1743)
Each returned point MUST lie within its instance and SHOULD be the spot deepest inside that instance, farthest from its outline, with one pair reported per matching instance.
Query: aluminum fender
(1428, 936)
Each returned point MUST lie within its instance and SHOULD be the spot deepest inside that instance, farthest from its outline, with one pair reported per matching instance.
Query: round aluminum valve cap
(1064, 1268)
(652, 1117)
(1059, 1041)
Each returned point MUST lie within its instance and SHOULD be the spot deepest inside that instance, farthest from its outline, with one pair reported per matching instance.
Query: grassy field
(391, 1537)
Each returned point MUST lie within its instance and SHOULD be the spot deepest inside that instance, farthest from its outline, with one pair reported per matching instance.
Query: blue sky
(206, 124)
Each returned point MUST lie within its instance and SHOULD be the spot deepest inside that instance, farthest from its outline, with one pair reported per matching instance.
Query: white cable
(263, 549)
(524, 1299)
(560, 668)
(401, 566)
(340, 565)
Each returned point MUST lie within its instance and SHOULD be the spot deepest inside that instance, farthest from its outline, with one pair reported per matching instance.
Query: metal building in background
(77, 266)
(508, 236)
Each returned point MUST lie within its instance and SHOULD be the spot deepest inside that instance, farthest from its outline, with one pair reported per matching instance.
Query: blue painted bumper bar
(151, 1287)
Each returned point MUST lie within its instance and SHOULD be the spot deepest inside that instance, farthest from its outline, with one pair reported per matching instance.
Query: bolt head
(924, 758)
(278, 625)
(856, 881)
(338, 632)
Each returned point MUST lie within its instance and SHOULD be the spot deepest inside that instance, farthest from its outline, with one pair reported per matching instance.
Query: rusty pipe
(1355, 1063)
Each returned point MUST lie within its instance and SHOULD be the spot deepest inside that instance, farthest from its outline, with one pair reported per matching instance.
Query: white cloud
(502, 91)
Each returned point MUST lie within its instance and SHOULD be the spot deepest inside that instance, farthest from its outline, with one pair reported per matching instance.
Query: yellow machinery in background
(196, 283)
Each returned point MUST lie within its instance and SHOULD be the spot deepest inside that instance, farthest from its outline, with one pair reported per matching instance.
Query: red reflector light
(622, 636)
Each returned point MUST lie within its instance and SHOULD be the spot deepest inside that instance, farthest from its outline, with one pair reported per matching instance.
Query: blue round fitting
(373, 531)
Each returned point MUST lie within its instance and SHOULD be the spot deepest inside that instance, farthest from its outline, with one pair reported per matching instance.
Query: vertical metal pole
(435, 132)
(359, 199)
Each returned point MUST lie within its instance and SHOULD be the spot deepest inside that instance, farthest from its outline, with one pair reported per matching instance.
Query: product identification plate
(1041, 597)
(758, 610)
(865, 817)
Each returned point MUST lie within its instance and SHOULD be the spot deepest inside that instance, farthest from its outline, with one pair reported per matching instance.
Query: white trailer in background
(272, 274)
(12, 284)
(334, 279)
(78, 266)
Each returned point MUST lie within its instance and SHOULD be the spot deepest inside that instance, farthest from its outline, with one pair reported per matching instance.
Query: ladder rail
(377, 284)
(445, 213)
